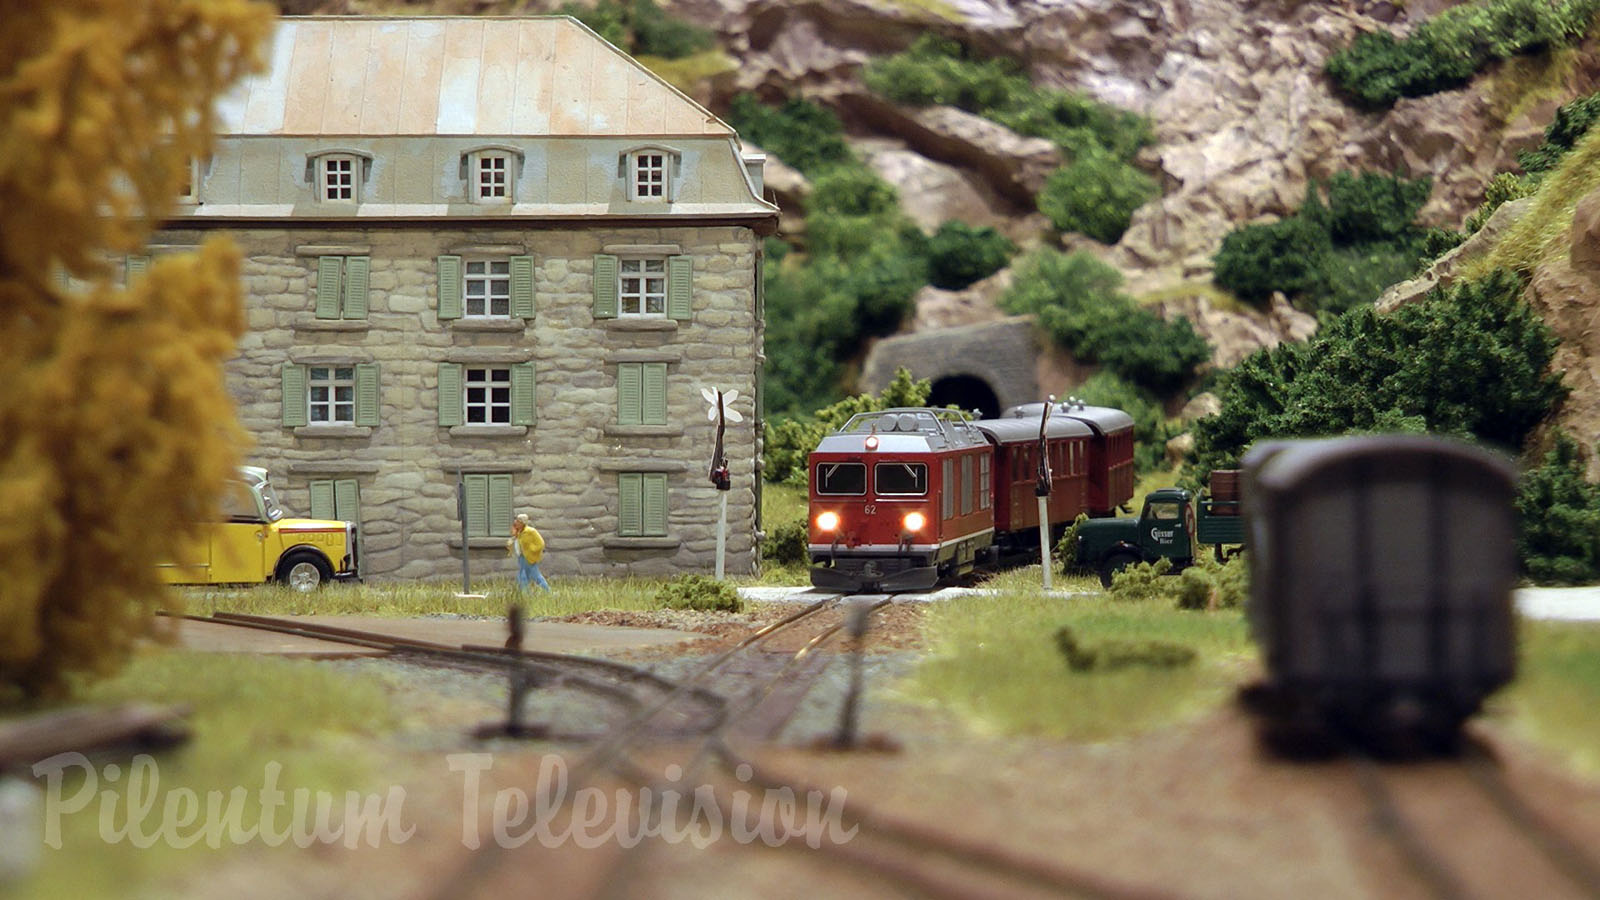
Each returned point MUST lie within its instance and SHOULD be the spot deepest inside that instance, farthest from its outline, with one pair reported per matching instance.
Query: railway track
(1466, 833)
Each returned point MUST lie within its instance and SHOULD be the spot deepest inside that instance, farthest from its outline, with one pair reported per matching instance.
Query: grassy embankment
(246, 713)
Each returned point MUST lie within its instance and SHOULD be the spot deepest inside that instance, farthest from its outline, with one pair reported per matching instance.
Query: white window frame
(489, 280)
(491, 381)
(649, 174)
(339, 173)
(491, 177)
(635, 287)
(336, 408)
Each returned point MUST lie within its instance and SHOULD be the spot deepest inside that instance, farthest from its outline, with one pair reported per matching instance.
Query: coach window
(841, 479)
(900, 479)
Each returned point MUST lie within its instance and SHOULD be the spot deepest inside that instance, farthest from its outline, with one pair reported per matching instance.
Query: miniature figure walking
(527, 545)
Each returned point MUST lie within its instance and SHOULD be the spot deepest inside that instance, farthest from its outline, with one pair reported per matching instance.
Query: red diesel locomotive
(904, 498)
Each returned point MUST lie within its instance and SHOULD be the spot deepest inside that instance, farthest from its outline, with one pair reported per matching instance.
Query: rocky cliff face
(1243, 115)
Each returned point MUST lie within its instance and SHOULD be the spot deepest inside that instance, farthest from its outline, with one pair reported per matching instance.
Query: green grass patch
(995, 663)
(1523, 81)
(247, 712)
(1219, 298)
(1555, 701)
(421, 598)
(935, 8)
(1543, 232)
(690, 72)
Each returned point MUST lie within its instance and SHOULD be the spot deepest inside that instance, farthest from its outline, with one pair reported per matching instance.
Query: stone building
(499, 250)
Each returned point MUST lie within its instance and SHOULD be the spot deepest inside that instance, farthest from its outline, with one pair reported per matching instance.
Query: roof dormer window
(649, 173)
(490, 174)
(339, 175)
(490, 184)
(339, 178)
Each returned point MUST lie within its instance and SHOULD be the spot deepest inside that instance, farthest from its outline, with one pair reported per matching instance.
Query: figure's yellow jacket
(532, 544)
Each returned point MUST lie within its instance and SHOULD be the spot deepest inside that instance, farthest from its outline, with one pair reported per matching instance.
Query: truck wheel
(1113, 564)
(304, 571)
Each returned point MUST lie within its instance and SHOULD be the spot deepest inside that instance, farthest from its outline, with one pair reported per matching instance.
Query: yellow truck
(255, 541)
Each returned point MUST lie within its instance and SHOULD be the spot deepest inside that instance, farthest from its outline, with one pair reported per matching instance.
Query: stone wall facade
(565, 467)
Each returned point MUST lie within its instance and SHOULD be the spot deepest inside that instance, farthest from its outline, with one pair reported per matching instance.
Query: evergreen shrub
(959, 254)
(1075, 299)
(1558, 519)
(698, 592)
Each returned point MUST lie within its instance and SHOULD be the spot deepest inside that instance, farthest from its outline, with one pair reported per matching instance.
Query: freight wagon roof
(1022, 431)
(1285, 465)
(1103, 419)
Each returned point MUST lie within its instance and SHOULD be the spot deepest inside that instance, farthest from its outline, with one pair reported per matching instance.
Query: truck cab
(253, 540)
(1172, 525)
(1164, 528)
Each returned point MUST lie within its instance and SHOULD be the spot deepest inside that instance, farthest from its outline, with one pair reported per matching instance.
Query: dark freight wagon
(1381, 571)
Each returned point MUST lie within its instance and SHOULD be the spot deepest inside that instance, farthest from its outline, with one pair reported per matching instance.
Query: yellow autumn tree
(116, 431)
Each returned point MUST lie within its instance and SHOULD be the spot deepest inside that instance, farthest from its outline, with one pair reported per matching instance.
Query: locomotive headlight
(914, 521)
(828, 521)
(872, 442)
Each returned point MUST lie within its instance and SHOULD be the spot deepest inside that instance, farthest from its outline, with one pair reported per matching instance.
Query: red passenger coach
(1016, 450)
(899, 499)
(1109, 469)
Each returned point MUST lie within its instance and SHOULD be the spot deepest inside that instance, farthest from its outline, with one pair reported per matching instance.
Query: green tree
(1075, 299)
(1558, 519)
(116, 432)
(959, 254)
(1469, 361)
(1095, 195)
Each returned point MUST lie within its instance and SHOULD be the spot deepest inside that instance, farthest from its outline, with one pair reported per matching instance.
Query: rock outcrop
(1565, 291)
(1443, 271)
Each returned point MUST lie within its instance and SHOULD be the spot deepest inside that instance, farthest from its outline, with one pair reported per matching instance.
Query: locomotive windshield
(900, 478)
(847, 478)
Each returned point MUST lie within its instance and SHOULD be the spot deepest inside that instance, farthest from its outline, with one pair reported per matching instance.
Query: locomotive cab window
(903, 479)
(1164, 511)
(845, 478)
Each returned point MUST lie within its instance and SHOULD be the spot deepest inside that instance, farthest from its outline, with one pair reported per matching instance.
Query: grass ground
(994, 661)
(1555, 701)
(247, 713)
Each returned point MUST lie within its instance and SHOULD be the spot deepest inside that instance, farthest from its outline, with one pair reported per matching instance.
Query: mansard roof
(480, 75)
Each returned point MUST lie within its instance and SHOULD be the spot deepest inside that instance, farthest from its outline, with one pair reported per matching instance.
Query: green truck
(1172, 525)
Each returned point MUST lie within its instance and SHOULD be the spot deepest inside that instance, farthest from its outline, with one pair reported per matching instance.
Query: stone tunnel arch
(969, 392)
(987, 366)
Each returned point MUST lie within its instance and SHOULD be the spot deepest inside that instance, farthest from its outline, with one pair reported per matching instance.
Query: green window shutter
(477, 505)
(367, 409)
(451, 400)
(500, 505)
(654, 405)
(655, 504)
(680, 287)
(355, 286)
(522, 402)
(330, 272)
(449, 287)
(135, 268)
(522, 287)
(347, 500)
(630, 393)
(294, 395)
(322, 502)
(630, 504)
(605, 287)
